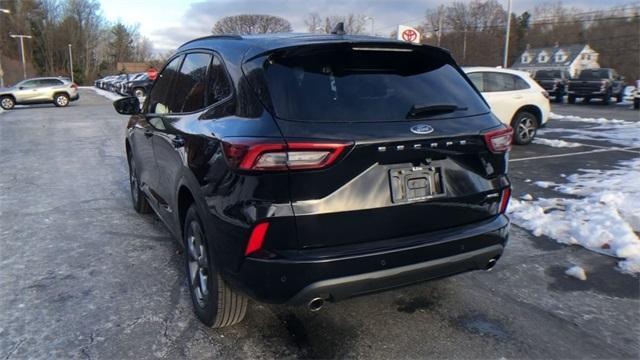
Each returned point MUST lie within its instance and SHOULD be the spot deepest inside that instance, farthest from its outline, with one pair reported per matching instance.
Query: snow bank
(603, 219)
(556, 143)
(527, 197)
(554, 116)
(577, 272)
(619, 132)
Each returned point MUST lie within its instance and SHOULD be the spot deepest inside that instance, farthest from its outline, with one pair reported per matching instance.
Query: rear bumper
(75, 97)
(343, 272)
(587, 92)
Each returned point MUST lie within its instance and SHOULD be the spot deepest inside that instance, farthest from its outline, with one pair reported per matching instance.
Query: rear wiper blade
(418, 111)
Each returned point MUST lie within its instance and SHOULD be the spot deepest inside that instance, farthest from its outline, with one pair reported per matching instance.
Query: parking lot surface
(83, 276)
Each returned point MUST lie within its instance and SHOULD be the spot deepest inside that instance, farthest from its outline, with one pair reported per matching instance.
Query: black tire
(559, 98)
(138, 199)
(571, 99)
(7, 102)
(214, 302)
(525, 126)
(138, 92)
(586, 99)
(619, 97)
(61, 100)
(636, 103)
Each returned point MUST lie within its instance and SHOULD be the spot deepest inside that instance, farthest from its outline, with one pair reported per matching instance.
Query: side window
(219, 86)
(49, 82)
(520, 84)
(29, 84)
(191, 84)
(497, 82)
(158, 99)
(476, 79)
(503, 82)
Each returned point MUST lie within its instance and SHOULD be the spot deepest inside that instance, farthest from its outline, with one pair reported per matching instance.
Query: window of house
(542, 58)
(525, 59)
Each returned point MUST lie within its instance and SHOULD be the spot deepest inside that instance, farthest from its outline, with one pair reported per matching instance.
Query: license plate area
(415, 184)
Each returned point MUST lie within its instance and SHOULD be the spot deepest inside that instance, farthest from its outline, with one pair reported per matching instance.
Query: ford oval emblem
(421, 129)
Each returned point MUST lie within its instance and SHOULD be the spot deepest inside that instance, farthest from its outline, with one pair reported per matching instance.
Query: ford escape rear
(302, 169)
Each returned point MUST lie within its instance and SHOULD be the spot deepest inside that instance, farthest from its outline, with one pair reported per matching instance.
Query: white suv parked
(514, 97)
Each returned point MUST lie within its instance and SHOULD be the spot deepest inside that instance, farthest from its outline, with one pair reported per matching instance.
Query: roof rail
(224, 36)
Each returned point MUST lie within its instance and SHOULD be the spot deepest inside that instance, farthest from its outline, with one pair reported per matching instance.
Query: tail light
(266, 155)
(499, 141)
(74, 85)
(545, 94)
(504, 200)
(255, 239)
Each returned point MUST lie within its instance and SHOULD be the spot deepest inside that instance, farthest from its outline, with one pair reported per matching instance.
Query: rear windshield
(345, 84)
(593, 74)
(548, 74)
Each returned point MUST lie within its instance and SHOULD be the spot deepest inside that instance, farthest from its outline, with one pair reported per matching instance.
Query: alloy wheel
(62, 100)
(7, 103)
(198, 264)
(526, 129)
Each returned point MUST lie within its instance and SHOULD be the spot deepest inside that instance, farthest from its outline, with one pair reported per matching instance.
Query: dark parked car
(554, 82)
(139, 86)
(596, 83)
(301, 169)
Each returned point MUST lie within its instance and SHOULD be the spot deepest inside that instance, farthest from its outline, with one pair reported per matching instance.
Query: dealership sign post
(408, 34)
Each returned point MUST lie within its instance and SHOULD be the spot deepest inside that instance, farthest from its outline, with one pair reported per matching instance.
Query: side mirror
(127, 106)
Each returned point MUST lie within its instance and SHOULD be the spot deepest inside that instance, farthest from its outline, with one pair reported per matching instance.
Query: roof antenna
(338, 29)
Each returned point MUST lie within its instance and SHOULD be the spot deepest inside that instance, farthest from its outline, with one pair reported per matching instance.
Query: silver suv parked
(59, 91)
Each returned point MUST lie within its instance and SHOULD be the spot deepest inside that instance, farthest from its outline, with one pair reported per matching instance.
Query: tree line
(97, 45)
(474, 32)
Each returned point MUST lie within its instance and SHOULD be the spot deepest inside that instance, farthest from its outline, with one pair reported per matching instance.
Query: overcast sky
(169, 23)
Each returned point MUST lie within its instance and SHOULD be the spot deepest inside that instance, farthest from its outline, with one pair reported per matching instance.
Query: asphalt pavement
(83, 276)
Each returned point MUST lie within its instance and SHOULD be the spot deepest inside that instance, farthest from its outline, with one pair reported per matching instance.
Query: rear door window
(494, 82)
(341, 83)
(191, 83)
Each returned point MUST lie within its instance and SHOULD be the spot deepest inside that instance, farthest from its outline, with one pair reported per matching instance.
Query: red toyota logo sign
(409, 35)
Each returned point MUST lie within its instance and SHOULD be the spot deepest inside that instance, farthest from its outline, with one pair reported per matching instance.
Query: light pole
(71, 62)
(506, 39)
(24, 65)
(372, 22)
(4, 11)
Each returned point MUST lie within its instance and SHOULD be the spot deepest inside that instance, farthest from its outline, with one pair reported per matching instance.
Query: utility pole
(506, 39)
(71, 62)
(440, 16)
(372, 22)
(24, 64)
(4, 11)
(464, 46)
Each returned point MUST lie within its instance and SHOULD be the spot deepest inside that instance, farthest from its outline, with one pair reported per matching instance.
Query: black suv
(554, 82)
(138, 86)
(299, 169)
(596, 83)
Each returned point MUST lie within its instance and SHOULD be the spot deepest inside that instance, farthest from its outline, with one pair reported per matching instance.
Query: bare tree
(314, 23)
(251, 24)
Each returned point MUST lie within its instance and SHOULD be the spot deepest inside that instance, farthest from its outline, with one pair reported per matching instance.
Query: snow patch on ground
(109, 95)
(544, 184)
(554, 116)
(577, 272)
(556, 143)
(604, 218)
(527, 197)
(619, 132)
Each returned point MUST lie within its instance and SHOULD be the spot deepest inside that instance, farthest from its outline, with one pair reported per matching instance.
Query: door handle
(148, 133)
(177, 142)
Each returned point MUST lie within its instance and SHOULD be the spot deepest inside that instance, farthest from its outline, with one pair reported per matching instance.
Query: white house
(573, 58)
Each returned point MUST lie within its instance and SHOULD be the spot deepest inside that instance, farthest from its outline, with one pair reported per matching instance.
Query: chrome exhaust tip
(316, 304)
(491, 264)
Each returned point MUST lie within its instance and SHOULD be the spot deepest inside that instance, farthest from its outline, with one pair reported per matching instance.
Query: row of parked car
(137, 84)
(603, 84)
